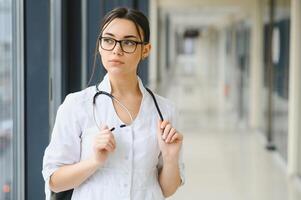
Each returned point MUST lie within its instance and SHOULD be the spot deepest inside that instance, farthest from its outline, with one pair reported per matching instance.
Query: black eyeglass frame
(120, 44)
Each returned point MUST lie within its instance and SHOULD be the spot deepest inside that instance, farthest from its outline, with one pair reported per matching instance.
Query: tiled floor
(224, 160)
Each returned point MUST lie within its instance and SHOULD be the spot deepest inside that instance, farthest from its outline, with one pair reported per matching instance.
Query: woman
(114, 145)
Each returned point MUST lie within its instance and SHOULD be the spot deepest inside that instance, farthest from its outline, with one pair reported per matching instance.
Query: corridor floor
(223, 159)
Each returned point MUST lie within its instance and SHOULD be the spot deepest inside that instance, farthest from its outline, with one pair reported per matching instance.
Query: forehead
(121, 27)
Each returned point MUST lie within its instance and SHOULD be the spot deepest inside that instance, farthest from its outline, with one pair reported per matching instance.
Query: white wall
(294, 140)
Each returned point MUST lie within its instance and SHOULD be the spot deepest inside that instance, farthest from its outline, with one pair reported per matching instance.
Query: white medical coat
(131, 171)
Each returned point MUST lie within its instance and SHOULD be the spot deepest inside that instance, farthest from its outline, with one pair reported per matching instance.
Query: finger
(170, 135)
(112, 139)
(105, 131)
(102, 147)
(101, 135)
(103, 127)
(105, 145)
(112, 135)
(176, 136)
(104, 138)
(111, 144)
(159, 130)
(159, 125)
(110, 147)
(163, 124)
(166, 131)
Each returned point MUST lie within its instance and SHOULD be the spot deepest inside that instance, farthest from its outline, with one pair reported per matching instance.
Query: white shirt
(131, 171)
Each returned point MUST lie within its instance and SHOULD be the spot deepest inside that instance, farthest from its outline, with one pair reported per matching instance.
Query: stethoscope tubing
(99, 92)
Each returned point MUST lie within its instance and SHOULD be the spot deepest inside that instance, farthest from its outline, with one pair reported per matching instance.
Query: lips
(116, 62)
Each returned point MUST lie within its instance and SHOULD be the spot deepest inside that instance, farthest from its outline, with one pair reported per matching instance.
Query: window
(6, 100)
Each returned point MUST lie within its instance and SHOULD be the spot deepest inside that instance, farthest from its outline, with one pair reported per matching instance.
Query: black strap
(65, 195)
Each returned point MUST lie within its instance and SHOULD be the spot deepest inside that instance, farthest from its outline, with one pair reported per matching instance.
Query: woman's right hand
(103, 144)
(71, 176)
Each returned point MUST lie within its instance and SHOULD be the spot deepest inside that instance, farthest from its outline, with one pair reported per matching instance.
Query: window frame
(18, 187)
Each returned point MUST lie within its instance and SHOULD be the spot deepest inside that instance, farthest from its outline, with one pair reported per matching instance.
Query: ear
(146, 50)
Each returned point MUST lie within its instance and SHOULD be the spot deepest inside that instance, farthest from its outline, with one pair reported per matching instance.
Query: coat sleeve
(65, 144)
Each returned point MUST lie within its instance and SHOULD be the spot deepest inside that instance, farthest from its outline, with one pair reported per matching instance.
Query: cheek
(136, 58)
(103, 60)
(134, 62)
(103, 54)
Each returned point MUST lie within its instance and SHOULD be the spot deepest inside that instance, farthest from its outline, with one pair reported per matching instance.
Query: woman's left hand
(170, 140)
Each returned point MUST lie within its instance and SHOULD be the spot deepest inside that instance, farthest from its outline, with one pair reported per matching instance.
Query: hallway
(232, 67)
(224, 159)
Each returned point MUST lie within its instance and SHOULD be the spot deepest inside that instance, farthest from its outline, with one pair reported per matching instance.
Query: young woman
(109, 141)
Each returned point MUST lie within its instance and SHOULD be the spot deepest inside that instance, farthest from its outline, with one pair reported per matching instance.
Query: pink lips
(116, 62)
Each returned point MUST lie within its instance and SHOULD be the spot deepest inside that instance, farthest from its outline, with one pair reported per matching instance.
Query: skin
(121, 68)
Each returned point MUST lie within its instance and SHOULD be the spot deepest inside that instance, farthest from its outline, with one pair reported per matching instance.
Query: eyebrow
(127, 36)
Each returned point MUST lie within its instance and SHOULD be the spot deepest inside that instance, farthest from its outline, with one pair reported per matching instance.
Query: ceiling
(213, 13)
(199, 13)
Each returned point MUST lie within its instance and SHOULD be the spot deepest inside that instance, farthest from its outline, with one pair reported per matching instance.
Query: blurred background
(232, 67)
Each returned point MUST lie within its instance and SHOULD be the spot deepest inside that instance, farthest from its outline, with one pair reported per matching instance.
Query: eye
(108, 40)
(129, 42)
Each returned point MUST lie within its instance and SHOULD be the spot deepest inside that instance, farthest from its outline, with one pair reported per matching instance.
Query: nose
(118, 49)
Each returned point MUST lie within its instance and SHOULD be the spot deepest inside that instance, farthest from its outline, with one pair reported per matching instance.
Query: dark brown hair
(137, 17)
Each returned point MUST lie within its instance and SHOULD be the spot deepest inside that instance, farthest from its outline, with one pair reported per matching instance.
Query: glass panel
(281, 77)
(6, 122)
(280, 55)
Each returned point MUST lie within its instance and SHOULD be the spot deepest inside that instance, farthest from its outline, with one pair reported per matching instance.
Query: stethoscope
(99, 92)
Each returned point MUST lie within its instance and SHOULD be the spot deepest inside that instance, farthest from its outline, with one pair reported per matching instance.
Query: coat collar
(105, 85)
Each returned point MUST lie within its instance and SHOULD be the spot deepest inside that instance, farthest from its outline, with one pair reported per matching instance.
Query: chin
(117, 71)
(121, 73)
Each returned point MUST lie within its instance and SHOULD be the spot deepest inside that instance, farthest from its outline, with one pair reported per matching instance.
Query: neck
(125, 85)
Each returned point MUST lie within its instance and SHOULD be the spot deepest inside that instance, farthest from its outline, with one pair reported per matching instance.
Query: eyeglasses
(127, 46)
